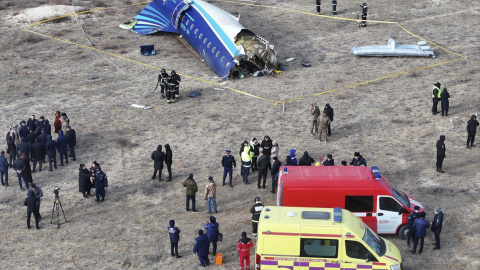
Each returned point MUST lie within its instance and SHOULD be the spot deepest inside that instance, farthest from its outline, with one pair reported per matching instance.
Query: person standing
(267, 145)
(444, 103)
(72, 141)
(170, 92)
(31, 123)
(84, 184)
(24, 147)
(210, 194)
(28, 168)
(212, 233)
(57, 124)
(274, 152)
(436, 96)
(411, 219)
(201, 248)
(11, 146)
(364, 15)
(62, 141)
(329, 111)
(274, 173)
(441, 149)
(334, 7)
(38, 154)
(3, 168)
(176, 81)
(101, 184)
(37, 191)
(358, 160)
(191, 189)
(162, 80)
(31, 204)
(323, 124)
(247, 155)
(174, 234)
(158, 158)
(243, 248)
(256, 152)
(319, 4)
(306, 160)
(471, 130)
(256, 210)
(23, 130)
(48, 127)
(168, 161)
(437, 226)
(315, 111)
(262, 163)
(293, 157)
(421, 226)
(52, 154)
(229, 164)
(330, 161)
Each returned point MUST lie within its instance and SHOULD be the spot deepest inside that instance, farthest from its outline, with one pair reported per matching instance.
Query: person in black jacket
(471, 130)
(101, 183)
(38, 154)
(31, 204)
(72, 141)
(168, 161)
(256, 152)
(31, 123)
(52, 153)
(11, 147)
(441, 149)
(37, 192)
(437, 226)
(358, 160)
(62, 142)
(201, 248)
(436, 96)
(23, 147)
(306, 160)
(256, 210)
(3, 168)
(174, 234)
(158, 158)
(229, 164)
(28, 168)
(266, 146)
(23, 130)
(444, 96)
(411, 219)
(330, 161)
(262, 163)
(19, 167)
(44, 139)
(84, 184)
(274, 173)
(329, 111)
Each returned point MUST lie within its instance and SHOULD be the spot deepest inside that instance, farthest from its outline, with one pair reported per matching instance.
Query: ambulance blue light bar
(376, 172)
(337, 214)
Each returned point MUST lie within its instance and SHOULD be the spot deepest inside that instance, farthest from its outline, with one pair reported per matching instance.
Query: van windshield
(374, 242)
(401, 197)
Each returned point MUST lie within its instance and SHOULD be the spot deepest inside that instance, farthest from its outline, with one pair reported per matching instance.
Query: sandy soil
(388, 121)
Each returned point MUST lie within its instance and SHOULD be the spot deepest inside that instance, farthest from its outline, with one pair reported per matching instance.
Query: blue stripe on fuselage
(216, 28)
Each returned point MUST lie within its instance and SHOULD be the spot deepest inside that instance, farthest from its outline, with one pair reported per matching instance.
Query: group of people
(321, 121)
(32, 142)
(364, 7)
(159, 158)
(417, 228)
(169, 85)
(92, 178)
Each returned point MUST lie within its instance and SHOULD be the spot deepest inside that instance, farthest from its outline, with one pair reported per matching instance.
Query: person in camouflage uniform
(323, 123)
(315, 112)
(191, 189)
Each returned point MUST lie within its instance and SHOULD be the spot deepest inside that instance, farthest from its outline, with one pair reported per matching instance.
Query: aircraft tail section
(155, 17)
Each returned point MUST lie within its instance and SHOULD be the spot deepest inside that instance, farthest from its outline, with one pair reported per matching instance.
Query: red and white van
(360, 190)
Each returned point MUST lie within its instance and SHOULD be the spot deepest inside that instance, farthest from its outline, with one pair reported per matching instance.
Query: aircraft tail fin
(154, 18)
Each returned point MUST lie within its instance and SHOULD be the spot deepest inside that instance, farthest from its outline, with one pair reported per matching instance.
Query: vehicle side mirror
(369, 257)
(402, 210)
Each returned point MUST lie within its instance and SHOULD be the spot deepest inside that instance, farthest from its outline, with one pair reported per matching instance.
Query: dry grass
(389, 122)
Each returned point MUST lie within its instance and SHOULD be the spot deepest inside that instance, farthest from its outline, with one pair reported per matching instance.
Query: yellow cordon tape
(237, 90)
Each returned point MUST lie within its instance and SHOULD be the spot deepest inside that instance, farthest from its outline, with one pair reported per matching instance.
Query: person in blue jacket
(421, 226)
(3, 168)
(52, 155)
(62, 141)
(174, 234)
(201, 248)
(411, 219)
(212, 233)
(38, 154)
(101, 183)
(358, 160)
(293, 157)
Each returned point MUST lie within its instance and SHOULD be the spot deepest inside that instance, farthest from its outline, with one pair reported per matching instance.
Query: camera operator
(31, 204)
(37, 191)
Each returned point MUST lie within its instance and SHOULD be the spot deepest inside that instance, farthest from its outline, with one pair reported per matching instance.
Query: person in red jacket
(243, 248)
(57, 124)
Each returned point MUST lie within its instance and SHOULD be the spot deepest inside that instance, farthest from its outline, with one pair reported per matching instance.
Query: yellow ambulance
(304, 238)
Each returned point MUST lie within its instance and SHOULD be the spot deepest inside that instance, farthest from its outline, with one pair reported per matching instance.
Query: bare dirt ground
(388, 121)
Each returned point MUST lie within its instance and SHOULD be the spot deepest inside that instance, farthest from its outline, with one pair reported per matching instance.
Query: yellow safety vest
(247, 154)
(439, 92)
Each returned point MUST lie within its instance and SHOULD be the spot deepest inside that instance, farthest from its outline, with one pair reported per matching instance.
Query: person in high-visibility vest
(436, 97)
(256, 210)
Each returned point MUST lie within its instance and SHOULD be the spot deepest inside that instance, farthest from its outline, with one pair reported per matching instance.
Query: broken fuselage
(216, 35)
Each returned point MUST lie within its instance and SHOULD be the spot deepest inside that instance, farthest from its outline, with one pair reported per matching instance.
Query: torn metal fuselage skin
(214, 34)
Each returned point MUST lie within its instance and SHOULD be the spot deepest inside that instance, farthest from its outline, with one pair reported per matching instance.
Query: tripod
(57, 205)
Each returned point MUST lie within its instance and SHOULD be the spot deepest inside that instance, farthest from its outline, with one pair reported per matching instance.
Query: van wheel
(402, 232)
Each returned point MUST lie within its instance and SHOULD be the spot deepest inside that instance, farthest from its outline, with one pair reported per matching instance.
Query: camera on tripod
(56, 190)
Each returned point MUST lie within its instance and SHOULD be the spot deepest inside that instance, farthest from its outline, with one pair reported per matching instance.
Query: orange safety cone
(219, 259)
